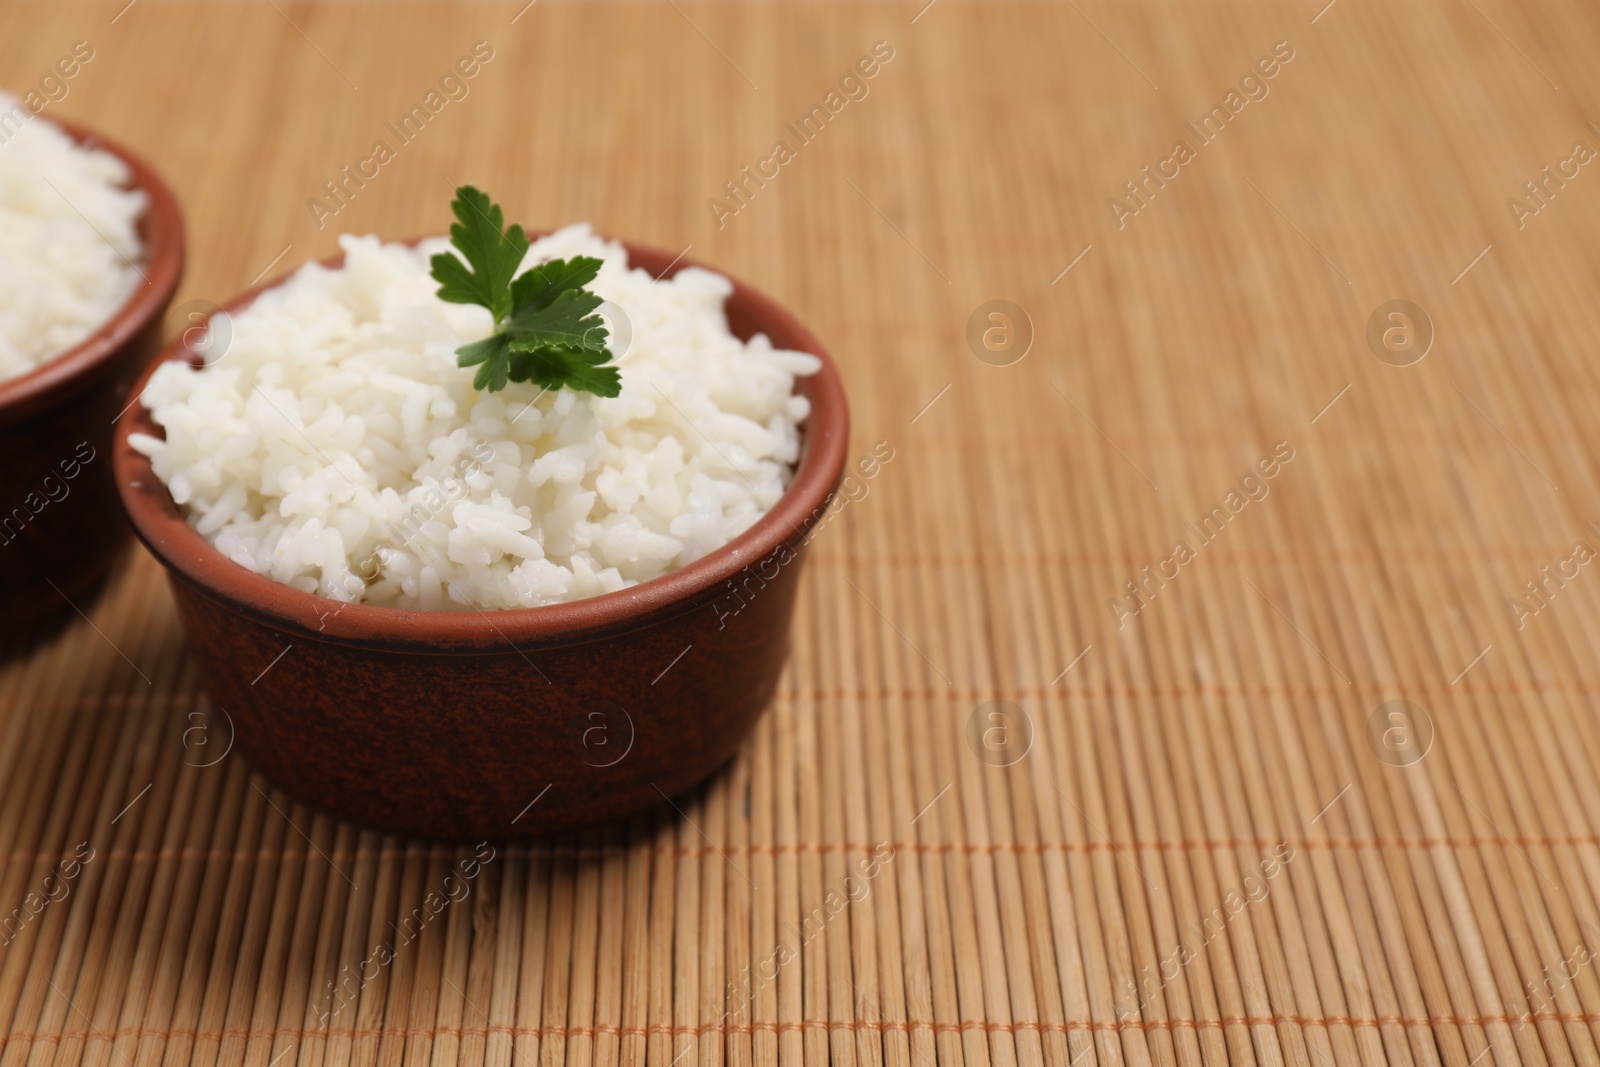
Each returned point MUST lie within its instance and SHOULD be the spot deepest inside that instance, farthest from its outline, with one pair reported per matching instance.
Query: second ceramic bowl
(503, 723)
(61, 526)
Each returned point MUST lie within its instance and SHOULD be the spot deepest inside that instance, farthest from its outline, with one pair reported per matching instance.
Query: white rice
(335, 440)
(69, 242)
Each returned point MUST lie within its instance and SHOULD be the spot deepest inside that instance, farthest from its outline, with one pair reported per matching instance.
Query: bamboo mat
(1198, 833)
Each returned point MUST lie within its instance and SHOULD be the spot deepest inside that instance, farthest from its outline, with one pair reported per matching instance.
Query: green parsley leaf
(555, 367)
(566, 321)
(492, 353)
(492, 256)
(546, 329)
(540, 285)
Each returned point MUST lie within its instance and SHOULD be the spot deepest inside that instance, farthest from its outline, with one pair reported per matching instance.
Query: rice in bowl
(336, 447)
(69, 243)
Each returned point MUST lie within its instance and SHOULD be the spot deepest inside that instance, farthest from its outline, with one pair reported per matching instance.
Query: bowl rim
(163, 233)
(187, 555)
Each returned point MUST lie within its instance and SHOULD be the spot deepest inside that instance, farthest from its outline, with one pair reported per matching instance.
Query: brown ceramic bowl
(60, 523)
(502, 723)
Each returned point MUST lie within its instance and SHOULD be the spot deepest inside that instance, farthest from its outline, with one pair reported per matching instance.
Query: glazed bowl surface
(62, 527)
(512, 723)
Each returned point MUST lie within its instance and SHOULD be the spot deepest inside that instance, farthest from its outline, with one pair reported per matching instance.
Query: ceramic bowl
(501, 723)
(61, 527)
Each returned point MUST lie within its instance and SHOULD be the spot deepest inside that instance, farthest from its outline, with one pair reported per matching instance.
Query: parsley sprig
(545, 327)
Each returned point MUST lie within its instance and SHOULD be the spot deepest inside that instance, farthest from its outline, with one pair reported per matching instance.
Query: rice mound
(69, 240)
(335, 446)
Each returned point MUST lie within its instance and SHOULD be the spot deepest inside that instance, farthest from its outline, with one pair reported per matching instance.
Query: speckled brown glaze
(67, 532)
(504, 723)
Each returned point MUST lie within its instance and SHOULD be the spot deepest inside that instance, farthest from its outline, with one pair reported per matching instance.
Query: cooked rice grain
(337, 448)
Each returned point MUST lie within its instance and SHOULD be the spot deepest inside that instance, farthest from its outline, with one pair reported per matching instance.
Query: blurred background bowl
(61, 526)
